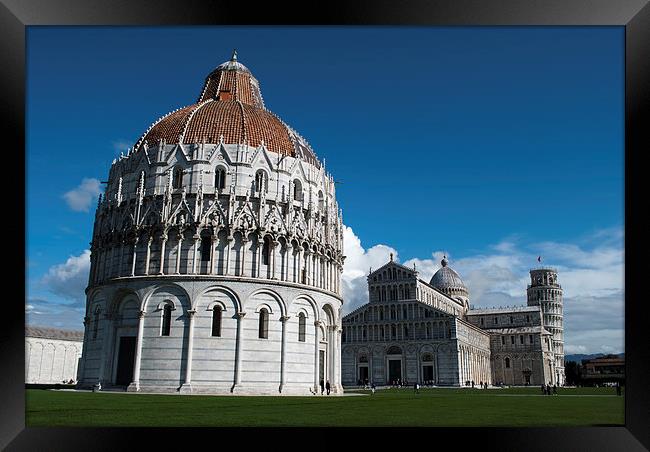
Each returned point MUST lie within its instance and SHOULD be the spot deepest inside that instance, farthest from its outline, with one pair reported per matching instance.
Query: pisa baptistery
(216, 255)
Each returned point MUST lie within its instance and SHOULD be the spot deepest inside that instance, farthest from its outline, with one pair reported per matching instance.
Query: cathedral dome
(446, 278)
(230, 110)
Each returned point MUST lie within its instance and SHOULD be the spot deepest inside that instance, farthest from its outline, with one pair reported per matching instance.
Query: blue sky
(492, 145)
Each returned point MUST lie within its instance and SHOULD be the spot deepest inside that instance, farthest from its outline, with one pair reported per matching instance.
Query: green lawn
(390, 407)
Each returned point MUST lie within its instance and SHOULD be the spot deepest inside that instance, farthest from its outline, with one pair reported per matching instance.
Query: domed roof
(230, 110)
(446, 278)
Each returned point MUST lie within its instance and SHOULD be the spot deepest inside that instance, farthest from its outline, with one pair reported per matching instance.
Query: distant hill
(578, 357)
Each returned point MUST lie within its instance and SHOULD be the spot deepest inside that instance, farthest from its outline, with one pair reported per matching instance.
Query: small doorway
(527, 373)
(427, 373)
(363, 374)
(394, 370)
(321, 366)
(125, 361)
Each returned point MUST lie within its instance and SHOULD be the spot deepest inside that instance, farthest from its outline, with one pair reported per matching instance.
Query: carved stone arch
(394, 350)
(258, 308)
(330, 314)
(167, 285)
(274, 221)
(278, 299)
(311, 301)
(114, 305)
(95, 296)
(166, 302)
(236, 304)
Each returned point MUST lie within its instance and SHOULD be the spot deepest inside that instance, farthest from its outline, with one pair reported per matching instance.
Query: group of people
(325, 386)
(546, 389)
(473, 384)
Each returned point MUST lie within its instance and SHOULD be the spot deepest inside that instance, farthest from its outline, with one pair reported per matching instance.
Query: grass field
(388, 407)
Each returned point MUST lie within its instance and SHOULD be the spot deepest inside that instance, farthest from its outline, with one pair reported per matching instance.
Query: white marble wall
(49, 361)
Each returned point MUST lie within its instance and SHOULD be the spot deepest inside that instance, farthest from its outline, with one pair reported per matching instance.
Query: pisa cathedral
(216, 255)
(417, 331)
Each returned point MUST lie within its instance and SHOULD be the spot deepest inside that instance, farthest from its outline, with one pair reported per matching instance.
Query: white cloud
(121, 146)
(43, 312)
(591, 272)
(357, 265)
(69, 279)
(82, 197)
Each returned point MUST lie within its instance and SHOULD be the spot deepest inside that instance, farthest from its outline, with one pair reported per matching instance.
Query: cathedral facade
(416, 331)
(216, 255)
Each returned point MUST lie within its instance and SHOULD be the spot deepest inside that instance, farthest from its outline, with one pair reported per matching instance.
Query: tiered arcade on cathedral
(413, 331)
(216, 255)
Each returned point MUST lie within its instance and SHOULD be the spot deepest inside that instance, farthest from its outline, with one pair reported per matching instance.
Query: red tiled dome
(230, 107)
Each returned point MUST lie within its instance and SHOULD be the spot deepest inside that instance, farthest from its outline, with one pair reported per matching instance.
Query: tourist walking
(372, 389)
(327, 386)
(322, 387)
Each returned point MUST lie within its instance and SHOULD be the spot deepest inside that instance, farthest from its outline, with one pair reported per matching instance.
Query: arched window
(321, 202)
(393, 332)
(206, 243)
(266, 251)
(261, 182)
(507, 363)
(297, 190)
(263, 328)
(301, 327)
(216, 321)
(177, 180)
(166, 320)
(219, 178)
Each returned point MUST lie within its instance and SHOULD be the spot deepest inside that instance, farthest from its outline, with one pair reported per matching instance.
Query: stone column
(370, 367)
(240, 316)
(242, 256)
(84, 347)
(273, 250)
(229, 240)
(135, 255)
(258, 254)
(316, 360)
(196, 238)
(178, 253)
(298, 276)
(163, 241)
(288, 255)
(147, 259)
(213, 240)
(187, 386)
(283, 363)
(135, 385)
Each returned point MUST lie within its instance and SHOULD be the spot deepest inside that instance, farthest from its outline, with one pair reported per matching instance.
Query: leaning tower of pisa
(545, 291)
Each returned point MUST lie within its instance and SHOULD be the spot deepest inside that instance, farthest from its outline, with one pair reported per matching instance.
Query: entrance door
(427, 373)
(321, 366)
(394, 370)
(125, 361)
(363, 374)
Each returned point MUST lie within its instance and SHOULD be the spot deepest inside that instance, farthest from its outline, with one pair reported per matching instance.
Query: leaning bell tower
(545, 291)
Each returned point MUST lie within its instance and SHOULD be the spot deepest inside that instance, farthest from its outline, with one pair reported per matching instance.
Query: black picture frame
(634, 15)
